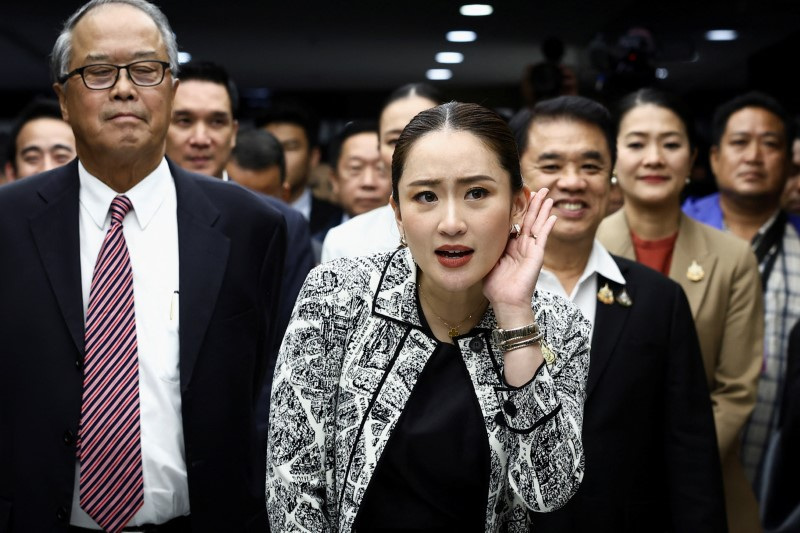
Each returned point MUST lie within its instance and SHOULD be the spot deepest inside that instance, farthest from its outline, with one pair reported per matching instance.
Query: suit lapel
(55, 232)
(203, 255)
(609, 321)
(691, 246)
(615, 235)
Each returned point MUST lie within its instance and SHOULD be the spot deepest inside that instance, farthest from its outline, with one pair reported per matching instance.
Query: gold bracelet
(507, 347)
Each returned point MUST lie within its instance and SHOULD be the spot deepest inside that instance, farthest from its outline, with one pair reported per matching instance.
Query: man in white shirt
(129, 280)
(651, 454)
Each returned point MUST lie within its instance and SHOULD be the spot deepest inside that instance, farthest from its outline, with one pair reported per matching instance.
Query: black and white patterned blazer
(350, 358)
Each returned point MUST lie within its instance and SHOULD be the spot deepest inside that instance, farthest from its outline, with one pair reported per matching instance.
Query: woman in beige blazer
(717, 271)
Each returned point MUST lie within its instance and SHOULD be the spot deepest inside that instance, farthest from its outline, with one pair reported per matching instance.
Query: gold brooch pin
(605, 295)
(695, 272)
(547, 354)
(623, 299)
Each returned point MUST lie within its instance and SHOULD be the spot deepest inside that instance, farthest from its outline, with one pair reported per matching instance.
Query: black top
(434, 472)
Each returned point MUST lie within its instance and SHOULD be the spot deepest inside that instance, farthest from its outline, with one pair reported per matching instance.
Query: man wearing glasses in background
(137, 310)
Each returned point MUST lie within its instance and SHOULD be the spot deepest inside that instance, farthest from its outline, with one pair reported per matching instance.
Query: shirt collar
(303, 204)
(764, 227)
(146, 196)
(600, 262)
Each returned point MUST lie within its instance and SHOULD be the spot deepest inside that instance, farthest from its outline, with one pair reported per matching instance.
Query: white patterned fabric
(350, 358)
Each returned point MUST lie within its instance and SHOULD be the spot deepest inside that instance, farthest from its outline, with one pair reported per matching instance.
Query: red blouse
(656, 254)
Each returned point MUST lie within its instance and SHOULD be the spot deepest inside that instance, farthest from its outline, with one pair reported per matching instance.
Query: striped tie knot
(119, 208)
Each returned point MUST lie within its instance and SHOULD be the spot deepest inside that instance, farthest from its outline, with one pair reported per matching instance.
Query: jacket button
(476, 345)
(510, 408)
(61, 514)
(78, 364)
(69, 438)
(499, 419)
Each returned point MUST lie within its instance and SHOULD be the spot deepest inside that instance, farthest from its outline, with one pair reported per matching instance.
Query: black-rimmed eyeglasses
(146, 73)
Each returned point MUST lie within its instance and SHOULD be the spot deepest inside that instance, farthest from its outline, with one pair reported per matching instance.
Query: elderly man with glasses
(137, 311)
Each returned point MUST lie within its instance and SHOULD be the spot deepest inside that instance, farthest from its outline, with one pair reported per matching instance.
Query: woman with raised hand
(718, 272)
(431, 387)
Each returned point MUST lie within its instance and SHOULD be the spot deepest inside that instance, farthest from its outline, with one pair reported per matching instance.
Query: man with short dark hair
(257, 162)
(295, 128)
(204, 122)
(751, 158)
(359, 180)
(139, 305)
(39, 140)
(201, 137)
(652, 462)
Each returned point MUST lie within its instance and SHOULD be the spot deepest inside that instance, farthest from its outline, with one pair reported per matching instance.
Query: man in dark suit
(133, 341)
(651, 454)
(201, 137)
(295, 128)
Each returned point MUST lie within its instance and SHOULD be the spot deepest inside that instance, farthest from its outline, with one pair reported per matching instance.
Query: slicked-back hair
(214, 73)
(62, 50)
(484, 123)
(569, 108)
(291, 112)
(658, 98)
(36, 109)
(354, 127)
(751, 99)
(258, 149)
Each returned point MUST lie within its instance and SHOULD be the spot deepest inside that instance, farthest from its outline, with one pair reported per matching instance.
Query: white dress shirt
(303, 204)
(584, 294)
(371, 233)
(151, 233)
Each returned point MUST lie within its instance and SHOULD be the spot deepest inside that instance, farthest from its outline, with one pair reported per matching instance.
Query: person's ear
(335, 183)
(398, 218)
(713, 157)
(313, 158)
(9, 171)
(62, 101)
(519, 204)
(235, 132)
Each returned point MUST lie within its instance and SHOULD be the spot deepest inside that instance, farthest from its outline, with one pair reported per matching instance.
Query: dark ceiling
(340, 47)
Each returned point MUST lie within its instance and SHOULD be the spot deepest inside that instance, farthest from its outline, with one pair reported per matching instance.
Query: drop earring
(515, 230)
(403, 242)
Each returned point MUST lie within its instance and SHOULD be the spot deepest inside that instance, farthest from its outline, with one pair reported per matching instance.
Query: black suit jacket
(779, 489)
(231, 249)
(324, 216)
(299, 260)
(648, 431)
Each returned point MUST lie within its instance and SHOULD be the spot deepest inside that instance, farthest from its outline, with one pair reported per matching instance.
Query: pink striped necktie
(109, 448)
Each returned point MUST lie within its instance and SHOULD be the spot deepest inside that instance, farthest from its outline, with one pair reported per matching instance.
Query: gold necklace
(452, 329)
